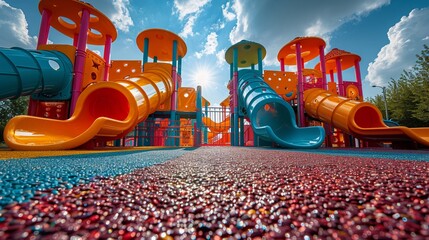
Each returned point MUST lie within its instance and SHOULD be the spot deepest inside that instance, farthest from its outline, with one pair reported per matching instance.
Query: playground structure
(270, 100)
(88, 100)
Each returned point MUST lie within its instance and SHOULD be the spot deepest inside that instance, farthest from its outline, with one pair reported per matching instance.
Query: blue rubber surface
(411, 155)
(21, 178)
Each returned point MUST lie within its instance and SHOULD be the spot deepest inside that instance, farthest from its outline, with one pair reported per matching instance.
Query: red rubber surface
(231, 192)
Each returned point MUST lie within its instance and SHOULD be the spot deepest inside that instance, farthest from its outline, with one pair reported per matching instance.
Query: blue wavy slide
(272, 118)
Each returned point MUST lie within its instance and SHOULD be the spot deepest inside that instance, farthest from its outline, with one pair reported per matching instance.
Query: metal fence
(216, 129)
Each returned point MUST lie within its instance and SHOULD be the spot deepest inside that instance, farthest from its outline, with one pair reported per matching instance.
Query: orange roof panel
(347, 59)
(161, 44)
(66, 18)
(309, 49)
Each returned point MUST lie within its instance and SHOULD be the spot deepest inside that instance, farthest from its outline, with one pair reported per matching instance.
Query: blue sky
(386, 34)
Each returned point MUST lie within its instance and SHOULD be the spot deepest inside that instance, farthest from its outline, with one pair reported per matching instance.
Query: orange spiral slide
(105, 110)
(360, 119)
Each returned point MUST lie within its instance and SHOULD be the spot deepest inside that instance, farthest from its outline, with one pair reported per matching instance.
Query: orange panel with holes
(68, 50)
(121, 69)
(332, 87)
(186, 99)
(94, 69)
(284, 83)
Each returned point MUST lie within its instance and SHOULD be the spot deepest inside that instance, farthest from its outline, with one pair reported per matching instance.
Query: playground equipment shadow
(228, 192)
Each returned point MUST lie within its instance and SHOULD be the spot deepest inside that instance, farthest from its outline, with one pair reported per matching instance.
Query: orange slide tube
(217, 127)
(360, 119)
(105, 110)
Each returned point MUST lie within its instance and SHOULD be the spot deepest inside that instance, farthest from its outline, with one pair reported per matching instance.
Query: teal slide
(271, 117)
(45, 74)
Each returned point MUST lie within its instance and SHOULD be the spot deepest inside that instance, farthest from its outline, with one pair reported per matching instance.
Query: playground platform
(216, 193)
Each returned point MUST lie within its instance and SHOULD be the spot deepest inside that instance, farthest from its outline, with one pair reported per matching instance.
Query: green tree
(11, 108)
(408, 96)
(378, 101)
(420, 85)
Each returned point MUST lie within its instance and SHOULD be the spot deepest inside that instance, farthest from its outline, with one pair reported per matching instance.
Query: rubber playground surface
(215, 193)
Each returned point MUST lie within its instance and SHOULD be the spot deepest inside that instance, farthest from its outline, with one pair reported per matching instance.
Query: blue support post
(173, 118)
(235, 130)
(179, 65)
(140, 126)
(146, 51)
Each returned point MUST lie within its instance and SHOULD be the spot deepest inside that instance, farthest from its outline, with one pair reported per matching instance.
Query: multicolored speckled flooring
(217, 193)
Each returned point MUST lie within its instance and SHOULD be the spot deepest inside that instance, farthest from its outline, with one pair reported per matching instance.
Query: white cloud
(406, 40)
(210, 46)
(14, 33)
(97, 52)
(117, 11)
(258, 20)
(220, 56)
(229, 16)
(188, 28)
(218, 26)
(121, 18)
(193, 9)
(188, 7)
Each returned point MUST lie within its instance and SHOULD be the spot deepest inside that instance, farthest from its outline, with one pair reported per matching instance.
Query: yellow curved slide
(360, 119)
(105, 110)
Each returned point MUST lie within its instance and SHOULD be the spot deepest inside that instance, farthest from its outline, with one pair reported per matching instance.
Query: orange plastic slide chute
(106, 110)
(217, 127)
(361, 119)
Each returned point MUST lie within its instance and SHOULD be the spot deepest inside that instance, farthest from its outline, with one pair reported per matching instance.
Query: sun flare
(203, 76)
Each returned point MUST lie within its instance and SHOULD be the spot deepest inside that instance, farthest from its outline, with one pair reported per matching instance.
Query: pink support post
(300, 85)
(234, 91)
(282, 64)
(107, 49)
(358, 77)
(179, 80)
(80, 59)
(323, 66)
(331, 76)
(75, 40)
(44, 28)
(340, 77)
